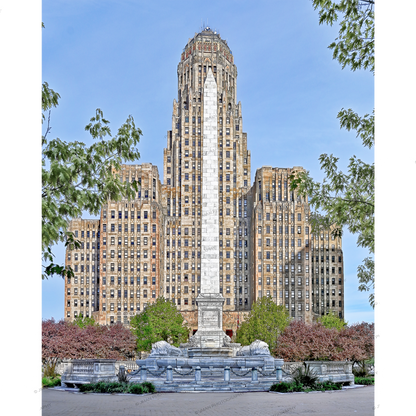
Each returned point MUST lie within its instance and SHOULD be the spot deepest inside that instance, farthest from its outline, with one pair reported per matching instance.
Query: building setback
(151, 246)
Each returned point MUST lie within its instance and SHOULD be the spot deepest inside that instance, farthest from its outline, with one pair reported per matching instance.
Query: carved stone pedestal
(210, 334)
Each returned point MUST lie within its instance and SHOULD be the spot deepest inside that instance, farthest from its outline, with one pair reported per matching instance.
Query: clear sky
(121, 56)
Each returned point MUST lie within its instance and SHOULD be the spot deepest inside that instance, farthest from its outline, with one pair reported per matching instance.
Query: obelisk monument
(210, 301)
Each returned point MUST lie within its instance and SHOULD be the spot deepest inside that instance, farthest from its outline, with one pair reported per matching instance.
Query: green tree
(347, 199)
(266, 321)
(77, 178)
(82, 321)
(160, 321)
(330, 320)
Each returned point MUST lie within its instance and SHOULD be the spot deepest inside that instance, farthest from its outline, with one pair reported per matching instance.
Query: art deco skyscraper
(151, 246)
(183, 178)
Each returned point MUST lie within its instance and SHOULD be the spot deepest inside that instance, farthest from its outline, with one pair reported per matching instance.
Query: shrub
(149, 387)
(136, 388)
(99, 387)
(305, 376)
(361, 372)
(285, 387)
(282, 387)
(328, 385)
(51, 381)
(116, 387)
(366, 381)
(86, 387)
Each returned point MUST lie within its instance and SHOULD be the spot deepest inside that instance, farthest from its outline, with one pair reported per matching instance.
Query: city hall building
(149, 247)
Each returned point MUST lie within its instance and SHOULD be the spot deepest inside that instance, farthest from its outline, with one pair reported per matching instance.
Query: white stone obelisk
(210, 301)
(210, 266)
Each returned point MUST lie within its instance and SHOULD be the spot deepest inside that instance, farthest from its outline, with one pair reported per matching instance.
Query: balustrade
(187, 370)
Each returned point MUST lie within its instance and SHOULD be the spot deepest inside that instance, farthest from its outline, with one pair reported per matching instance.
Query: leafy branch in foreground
(347, 199)
(354, 45)
(77, 178)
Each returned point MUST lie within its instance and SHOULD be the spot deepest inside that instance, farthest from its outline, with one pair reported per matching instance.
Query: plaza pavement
(356, 401)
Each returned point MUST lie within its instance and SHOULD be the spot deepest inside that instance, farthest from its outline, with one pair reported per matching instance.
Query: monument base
(210, 352)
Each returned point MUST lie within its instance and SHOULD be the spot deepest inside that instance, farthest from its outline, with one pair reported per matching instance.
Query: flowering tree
(303, 342)
(63, 340)
(358, 342)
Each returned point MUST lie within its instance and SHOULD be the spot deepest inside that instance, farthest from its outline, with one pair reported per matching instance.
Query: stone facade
(81, 291)
(152, 246)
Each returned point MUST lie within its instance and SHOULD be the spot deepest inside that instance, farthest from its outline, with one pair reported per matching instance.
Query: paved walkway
(358, 402)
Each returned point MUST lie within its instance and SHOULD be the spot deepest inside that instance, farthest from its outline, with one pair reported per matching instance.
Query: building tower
(183, 180)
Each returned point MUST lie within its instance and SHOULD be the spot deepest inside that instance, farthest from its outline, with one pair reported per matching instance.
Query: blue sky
(122, 57)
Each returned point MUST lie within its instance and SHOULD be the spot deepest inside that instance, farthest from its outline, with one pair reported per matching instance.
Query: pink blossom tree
(63, 340)
(315, 342)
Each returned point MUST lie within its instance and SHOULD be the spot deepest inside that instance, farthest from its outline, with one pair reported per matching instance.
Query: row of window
(195, 130)
(327, 292)
(132, 241)
(133, 229)
(81, 291)
(316, 281)
(327, 259)
(267, 268)
(132, 267)
(88, 234)
(112, 280)
(133, 253)
(286, 216)
(327, 304)
(227, 188)
(86, 268)
(112, 293)
(267, 229)
(228, 254)
(286, 240)
(89, 246)
(94, 256)
(118, 307)
(75, 282)
(316, 270)
(199, 121)
(133, 214)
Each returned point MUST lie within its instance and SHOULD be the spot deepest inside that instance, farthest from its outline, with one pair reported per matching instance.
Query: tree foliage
(315, 342)
(65, 340)
(330, 320)
(265, 322)
(354, 45)
(83, 321)
(347, 199)
(160, 321)
(77, 178)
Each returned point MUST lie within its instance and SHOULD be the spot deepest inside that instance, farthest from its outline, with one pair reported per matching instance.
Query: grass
(117, 387)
